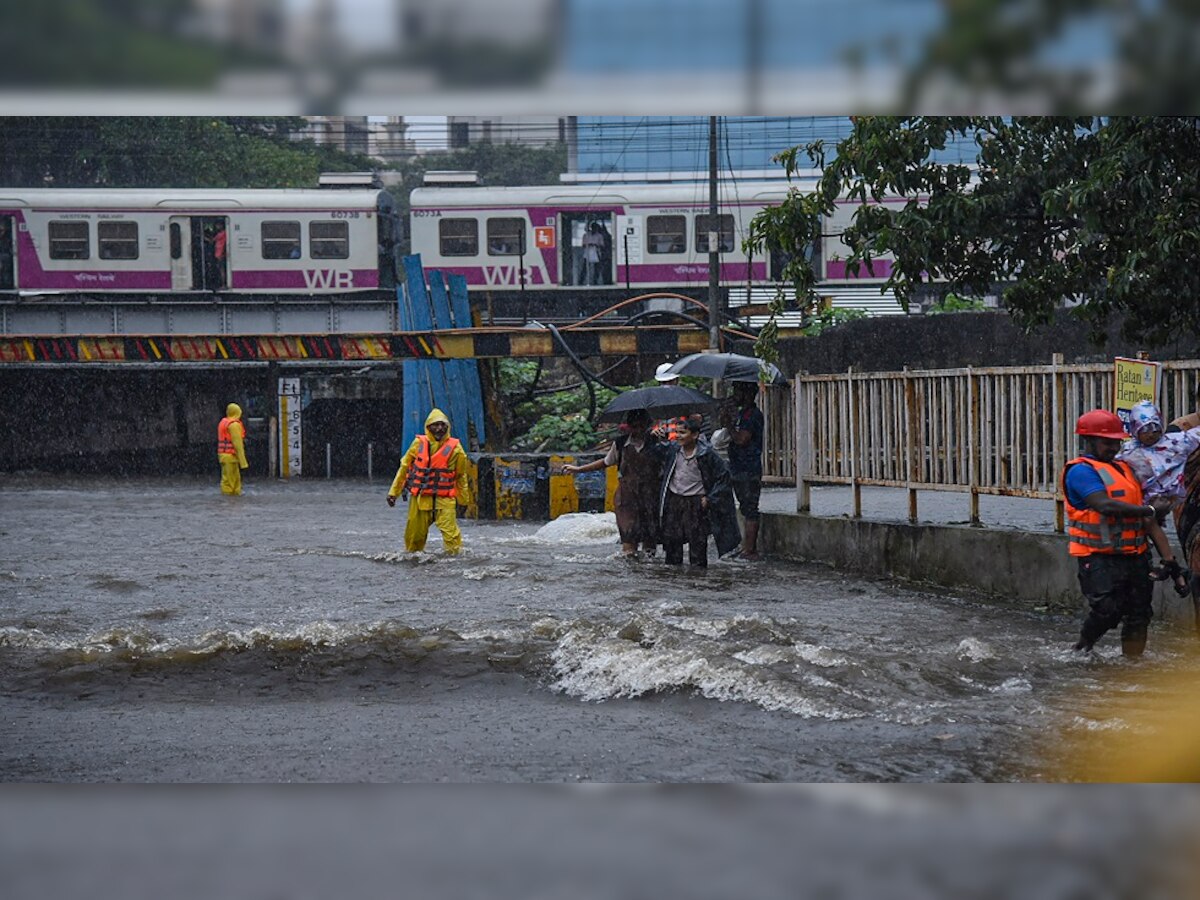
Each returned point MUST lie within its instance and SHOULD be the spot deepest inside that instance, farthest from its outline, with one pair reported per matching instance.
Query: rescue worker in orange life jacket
(668, 429)
(1108, 526)
(231, 450)
(433, 478)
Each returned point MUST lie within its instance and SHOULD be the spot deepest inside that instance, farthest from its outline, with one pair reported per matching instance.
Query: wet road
(156, 631)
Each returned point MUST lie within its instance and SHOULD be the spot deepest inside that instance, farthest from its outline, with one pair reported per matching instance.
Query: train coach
(140, 242)
(576, 248)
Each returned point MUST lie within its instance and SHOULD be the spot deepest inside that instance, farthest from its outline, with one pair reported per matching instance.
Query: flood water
(154, 630)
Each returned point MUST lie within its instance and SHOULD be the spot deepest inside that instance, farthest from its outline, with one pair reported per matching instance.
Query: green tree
(163, 152)
(553, 418)
(1104, 213)
(1140, 56)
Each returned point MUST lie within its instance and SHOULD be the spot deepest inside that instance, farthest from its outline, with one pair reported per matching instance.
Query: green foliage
(559, 420)
(953, 303)
(990, 52)
(546, 421)
(558, 433)
(514, 375)
(831, 317)
(85, 43)
(1099, 211)
(163, 152)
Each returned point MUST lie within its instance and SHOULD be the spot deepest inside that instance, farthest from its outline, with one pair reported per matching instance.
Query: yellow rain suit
(425, 507)
(231, 450)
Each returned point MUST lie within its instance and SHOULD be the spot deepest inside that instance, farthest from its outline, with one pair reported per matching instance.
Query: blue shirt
(746, 459)
(1082, 480)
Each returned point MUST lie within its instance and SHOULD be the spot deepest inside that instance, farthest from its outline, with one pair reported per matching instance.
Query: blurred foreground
(522, 56)
(852, 842)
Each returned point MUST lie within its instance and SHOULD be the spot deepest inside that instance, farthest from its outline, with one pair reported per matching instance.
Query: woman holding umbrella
(638, 458)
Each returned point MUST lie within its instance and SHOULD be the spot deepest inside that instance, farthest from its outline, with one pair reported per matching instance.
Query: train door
(180, 241)
(210, 243)
(587, 249)
(199, 253)
(8, 249)
(779, 258)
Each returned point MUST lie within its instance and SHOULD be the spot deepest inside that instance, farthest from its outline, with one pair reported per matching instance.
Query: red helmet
(1102, 424)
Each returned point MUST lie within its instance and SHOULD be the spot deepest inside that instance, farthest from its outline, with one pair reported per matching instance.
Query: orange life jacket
(1093, 532)
(672, 427)
(432, 476)
(224, 439)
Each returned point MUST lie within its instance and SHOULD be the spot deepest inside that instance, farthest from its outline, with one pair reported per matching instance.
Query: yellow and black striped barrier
(657, 340)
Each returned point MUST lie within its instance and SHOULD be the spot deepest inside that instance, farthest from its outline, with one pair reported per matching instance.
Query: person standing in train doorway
(593, 249)
(231, 450)
(745, 461)
(433, 478)
(215, 240)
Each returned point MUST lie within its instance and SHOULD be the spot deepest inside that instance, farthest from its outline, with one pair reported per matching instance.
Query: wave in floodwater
(745, 659)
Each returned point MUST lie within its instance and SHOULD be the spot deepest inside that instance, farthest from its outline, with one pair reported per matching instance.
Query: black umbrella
(727, 367)
(662, 401)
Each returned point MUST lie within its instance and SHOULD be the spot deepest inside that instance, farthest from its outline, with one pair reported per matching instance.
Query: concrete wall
(163, 422)
(1030, 571)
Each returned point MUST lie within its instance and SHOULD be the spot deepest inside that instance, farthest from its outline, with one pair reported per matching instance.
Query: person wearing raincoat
(433, 479)
(231, 450)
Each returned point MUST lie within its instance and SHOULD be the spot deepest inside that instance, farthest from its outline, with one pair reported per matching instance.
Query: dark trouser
(685, 521)
(1118, 591)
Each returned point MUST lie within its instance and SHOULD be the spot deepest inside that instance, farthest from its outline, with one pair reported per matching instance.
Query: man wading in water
(1108, 525)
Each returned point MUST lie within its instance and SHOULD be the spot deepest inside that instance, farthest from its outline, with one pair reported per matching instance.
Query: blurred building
(510, 22)
(260, 26)
(388, 140)
(675, 148)
(351, 134)
(536, 131)
(384, 138)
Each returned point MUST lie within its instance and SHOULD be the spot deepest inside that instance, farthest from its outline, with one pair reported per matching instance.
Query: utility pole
(714, 237)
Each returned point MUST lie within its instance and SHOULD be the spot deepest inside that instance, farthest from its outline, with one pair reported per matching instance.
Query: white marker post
(290, 428)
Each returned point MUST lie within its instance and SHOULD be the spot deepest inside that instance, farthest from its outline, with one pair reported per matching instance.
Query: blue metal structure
(450, 385)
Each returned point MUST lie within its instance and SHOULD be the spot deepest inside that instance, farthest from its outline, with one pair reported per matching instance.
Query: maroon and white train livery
(572, 238)
(140, 241)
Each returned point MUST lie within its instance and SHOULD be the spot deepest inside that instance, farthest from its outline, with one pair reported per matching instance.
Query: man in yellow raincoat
(434, 472)
(231, 450)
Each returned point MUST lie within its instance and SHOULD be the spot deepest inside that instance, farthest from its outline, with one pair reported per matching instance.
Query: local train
(552, 251)
(580, 241)
(105, 242)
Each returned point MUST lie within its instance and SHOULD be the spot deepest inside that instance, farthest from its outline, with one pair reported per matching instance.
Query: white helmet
(661, 373)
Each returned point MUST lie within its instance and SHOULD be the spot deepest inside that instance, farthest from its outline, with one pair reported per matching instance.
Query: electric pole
(714, 239)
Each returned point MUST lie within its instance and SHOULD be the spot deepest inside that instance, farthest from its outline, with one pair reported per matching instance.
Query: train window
(329, 240)
(724, 227)
(459, 237)
(69, 240)
(117, 240)
(505, 237)
(666, 234)
(176, 241)
(280, 240)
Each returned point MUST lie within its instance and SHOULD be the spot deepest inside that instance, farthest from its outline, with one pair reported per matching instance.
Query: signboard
(1134, 380)
(629, 240)
(290, 433)
(543, 237)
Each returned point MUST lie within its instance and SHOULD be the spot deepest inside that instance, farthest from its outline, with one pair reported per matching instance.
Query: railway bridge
(138, 386)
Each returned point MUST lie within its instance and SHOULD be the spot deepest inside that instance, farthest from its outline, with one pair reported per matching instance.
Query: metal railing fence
(980, 431)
